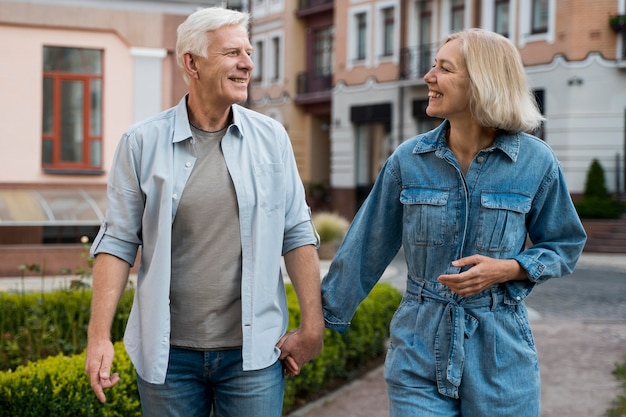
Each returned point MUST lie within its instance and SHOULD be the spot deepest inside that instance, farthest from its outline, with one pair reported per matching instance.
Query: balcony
(415, 61)
(309, 7)
(313, 89)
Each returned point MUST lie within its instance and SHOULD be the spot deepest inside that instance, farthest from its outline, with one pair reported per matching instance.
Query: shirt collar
(182, 127)
(435, 141)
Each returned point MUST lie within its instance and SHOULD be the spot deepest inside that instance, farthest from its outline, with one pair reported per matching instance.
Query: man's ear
(189, 63)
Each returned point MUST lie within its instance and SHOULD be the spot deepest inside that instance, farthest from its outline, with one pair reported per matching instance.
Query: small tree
(595, 185)
(596, 202)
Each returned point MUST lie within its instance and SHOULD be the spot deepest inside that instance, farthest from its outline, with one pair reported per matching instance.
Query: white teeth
(239, 80)
(434, 95)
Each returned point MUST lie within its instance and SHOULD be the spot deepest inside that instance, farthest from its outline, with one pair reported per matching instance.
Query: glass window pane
(95, 122)
(388, 31)
(72, 98)
(276, 60)
(95, 153)
(540, 16)
(323, 51)
(257, 57)
(72, 60)
(361, 36)
(46, 152)
(502, 17)
(48, 111)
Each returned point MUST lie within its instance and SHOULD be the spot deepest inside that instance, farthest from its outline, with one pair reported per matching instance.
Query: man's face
(223, 76)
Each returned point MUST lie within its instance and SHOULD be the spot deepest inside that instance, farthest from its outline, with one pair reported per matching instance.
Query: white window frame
(380, 33)
(525, 34)
(488, 13)
(259, 73)
(352, 60)
(445, 19)
(272, 59)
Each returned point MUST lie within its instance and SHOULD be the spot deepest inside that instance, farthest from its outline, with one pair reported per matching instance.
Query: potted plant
(331, 227)
(618, 22)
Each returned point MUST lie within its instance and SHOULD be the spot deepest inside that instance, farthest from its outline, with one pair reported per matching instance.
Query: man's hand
(299, 347)
(98, 367)
(484, 272)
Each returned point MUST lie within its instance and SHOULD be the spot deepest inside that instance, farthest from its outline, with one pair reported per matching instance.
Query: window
(540, 16)
(324, 46)
(257, 72)
(388, 29)
(540, 99)
(276, 55)
(502, 17)
(72, 108)
(458, 15)
(361, 36)
(425, 55)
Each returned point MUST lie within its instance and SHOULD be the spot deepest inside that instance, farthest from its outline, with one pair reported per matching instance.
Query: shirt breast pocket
(502, 221)
(424, 215)
(270, 183)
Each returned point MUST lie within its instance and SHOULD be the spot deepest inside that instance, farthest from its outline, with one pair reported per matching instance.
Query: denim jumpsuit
(450, 355)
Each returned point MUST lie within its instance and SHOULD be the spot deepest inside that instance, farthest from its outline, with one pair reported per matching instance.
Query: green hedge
(58, 385)
(37, 325)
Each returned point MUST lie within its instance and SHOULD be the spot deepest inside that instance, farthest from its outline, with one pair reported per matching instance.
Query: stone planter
(327, 250)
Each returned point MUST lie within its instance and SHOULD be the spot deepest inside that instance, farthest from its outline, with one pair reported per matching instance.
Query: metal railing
(309, 4)
(415, 61)
(307, 83)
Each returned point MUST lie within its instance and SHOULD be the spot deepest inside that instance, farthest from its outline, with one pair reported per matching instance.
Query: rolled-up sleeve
(120, 232)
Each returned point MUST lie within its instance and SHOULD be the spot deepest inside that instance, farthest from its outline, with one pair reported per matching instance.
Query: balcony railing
(308, 83)
(415, 61)
(311, 4)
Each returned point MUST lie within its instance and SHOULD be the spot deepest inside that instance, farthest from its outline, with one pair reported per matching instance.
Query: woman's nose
(428, 76)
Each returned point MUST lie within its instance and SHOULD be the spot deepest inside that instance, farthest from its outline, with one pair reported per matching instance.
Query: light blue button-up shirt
(152, 164)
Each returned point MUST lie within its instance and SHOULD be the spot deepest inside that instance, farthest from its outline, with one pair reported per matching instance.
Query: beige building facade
(380, 51)
(75, 75)
(344, 77)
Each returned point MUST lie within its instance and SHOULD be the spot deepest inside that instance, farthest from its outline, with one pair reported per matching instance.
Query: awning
(52, 207)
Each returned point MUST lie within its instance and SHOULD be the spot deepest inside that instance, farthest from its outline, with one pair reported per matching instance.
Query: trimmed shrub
(330, 226)
(596, 202)
(37, 325)
(58, 384)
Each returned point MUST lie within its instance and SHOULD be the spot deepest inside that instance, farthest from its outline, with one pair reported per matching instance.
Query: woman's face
(448, 83)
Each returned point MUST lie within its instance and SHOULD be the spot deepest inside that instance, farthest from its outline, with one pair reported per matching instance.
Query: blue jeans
(451, 356)
(198, 382)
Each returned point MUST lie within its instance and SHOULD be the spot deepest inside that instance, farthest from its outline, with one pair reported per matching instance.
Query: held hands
(299, 347)
(98, 367)
(483, 273)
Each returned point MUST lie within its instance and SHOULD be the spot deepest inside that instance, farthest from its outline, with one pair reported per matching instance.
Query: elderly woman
(484, 215)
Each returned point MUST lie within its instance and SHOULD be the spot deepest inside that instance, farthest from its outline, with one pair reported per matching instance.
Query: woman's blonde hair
(499, 95)
(192, 33)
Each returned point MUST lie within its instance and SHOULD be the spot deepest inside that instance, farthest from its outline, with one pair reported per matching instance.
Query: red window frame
(89, 140)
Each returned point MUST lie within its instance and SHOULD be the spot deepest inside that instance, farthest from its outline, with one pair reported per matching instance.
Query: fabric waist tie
(455, 325)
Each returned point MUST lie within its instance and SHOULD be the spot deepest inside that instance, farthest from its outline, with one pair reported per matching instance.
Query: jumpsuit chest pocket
(502, 221)
(424, 215)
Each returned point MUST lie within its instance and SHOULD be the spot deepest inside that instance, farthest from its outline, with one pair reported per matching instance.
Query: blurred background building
(344, 77)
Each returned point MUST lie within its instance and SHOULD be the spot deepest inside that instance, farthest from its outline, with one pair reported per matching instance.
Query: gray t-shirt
(205, 294)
